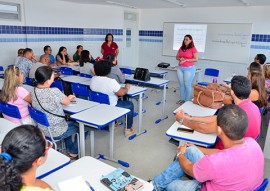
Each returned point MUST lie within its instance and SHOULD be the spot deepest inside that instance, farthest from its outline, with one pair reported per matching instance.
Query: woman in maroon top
(109, 47)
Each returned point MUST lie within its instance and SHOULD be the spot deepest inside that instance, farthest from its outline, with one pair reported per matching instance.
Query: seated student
(260, 59)
(62, 58)
(47, 58)
(115, 71)
(101, 83)
(20, 56)
(77, 55)
(12, 93)
(266, 69)
(51, 101)
(23, 150)
(240, 166)
(86, 62)
(26, 62)
(258, 93)
(240, 91)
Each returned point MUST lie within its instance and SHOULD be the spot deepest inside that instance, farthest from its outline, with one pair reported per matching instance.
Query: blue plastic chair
(58, 84)
(263, 186)
(126, 71)
(86, 75)
(28, 81)
(80, 90)
(66, 71)
(209, 72)
(11, 111)
(99, 97)
(41, 118)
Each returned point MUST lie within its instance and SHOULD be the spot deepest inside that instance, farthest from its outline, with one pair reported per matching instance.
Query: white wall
(51, 13)
(153, 19)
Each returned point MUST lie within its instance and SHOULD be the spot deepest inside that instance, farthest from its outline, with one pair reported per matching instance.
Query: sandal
(73, 156)
(180, 102)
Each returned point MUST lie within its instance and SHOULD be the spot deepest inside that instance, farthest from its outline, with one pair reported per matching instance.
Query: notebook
(120, 180)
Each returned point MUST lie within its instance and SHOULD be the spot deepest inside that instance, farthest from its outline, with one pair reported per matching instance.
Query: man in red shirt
(109, 47)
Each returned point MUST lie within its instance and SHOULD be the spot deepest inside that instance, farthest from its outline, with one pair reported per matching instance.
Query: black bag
(142, 74)
(163, 65)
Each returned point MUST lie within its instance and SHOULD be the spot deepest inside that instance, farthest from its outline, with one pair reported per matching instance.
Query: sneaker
(129, 131)
(180, 102)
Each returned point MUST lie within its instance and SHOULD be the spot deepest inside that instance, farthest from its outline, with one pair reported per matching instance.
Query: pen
(92, 189)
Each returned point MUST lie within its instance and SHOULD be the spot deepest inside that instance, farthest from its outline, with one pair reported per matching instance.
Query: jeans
(128, 105)
(72, 147)
(185, 77)
(169, 179)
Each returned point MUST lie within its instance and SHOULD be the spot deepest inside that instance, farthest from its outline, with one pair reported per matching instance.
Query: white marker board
(228, 42)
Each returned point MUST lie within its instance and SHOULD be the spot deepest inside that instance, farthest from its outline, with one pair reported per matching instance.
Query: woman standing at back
(186, 55)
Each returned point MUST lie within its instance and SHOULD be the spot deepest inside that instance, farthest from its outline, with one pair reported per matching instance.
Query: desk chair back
(209, 72)
(58, 84)
(80, 90)
(126, 71)
(66, 71)
(28, 81)
(99, 97)
(86, 75)
(10, 110)
(263, 186)
(1, 68)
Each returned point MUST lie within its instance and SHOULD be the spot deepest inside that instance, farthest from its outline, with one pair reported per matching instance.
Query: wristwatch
(179, 153)
(181, 121)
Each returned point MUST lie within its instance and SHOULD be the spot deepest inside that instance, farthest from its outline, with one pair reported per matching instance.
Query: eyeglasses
(49, 145)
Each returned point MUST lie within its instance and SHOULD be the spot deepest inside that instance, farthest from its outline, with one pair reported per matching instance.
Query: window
(10, 11)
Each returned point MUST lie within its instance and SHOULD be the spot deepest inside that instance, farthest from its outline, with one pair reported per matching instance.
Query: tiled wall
(14, 37)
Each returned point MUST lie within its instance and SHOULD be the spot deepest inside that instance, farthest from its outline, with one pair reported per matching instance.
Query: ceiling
(154, 4)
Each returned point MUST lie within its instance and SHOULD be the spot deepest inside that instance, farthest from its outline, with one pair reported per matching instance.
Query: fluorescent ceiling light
(176, 2)
(121, 4)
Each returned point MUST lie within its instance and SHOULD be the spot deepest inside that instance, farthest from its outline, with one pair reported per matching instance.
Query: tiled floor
(149, 153)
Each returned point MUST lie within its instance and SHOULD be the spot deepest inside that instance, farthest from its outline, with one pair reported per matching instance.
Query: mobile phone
(185, 130)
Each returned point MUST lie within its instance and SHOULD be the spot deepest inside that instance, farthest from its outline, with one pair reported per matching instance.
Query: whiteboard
(228, 42)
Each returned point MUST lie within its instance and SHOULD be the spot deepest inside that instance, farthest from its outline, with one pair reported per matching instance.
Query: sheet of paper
(77, 183)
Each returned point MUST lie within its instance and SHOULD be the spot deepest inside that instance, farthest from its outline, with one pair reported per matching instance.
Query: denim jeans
(72, 147)
(185, 77)
(169, 179)
(128, 105)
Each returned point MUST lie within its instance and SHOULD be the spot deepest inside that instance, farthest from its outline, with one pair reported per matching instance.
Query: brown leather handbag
(222, 88)
(206, 97)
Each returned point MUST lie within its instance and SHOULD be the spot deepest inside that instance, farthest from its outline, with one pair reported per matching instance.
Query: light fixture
(121, 4)
(176, 2)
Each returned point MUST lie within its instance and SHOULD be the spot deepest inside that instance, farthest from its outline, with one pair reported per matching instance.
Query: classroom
(114, 87)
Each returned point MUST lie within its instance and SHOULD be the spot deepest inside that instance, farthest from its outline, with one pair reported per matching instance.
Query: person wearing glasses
(47, 58)
(23, 150)
(13, 93)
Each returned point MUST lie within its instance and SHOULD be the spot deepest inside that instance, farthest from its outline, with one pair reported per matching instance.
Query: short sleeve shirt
(109, 49)
(107, 86)
(50, 99)
(24, 65)
(21, 104)
(237, 168)
(187, 54)
(117, 75)
(58, 62)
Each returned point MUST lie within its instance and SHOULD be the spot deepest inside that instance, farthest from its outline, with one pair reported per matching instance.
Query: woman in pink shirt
(186, 55)
(12, 93)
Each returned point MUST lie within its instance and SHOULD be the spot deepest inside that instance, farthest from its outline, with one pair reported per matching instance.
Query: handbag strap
(213, 96)
(61, 116)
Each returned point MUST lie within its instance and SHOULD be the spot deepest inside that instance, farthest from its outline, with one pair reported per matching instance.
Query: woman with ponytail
(23, 150)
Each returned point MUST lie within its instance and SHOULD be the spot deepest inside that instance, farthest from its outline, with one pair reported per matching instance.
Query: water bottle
(215, 80)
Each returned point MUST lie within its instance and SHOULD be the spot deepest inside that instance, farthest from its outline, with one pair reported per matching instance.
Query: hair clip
(6, 156)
